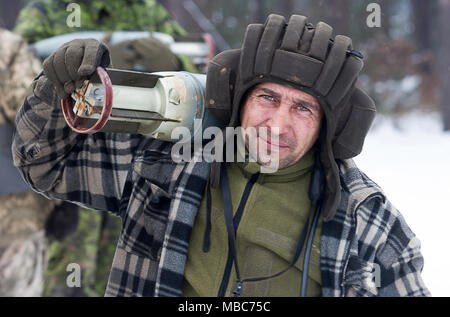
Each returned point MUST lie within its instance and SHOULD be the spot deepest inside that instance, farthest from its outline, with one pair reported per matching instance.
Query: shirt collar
(288, 174)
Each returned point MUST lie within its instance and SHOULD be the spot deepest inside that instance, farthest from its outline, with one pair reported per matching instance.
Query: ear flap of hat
(332, 190)
(349, 141)
(220, 81)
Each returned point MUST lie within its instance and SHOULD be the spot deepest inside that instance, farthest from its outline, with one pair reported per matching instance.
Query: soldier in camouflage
(92, 245)
(42, 19)
(23, 214)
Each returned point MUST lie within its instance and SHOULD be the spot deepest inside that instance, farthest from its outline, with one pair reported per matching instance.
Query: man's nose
(280, 118)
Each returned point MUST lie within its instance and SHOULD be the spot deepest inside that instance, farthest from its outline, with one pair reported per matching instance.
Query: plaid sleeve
(89, 170)
(401, 261)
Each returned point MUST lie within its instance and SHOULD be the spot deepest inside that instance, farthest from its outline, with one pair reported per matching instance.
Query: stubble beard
(273, 155)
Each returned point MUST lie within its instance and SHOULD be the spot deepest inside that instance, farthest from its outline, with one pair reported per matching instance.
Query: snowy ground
(410, 160)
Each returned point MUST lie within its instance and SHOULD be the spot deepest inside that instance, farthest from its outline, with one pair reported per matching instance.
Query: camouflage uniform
(92, 245)
(84, 248)
(23, 244)
(42, 19)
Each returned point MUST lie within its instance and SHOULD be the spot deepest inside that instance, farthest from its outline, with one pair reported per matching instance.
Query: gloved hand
(73, 63)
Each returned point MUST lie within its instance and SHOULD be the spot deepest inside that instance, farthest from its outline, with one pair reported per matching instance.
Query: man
(92, 245)
(197, 228)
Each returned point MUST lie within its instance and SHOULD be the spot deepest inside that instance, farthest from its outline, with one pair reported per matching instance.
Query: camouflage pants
(92, 247)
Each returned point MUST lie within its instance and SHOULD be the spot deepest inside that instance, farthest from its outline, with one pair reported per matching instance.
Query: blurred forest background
(407, 58)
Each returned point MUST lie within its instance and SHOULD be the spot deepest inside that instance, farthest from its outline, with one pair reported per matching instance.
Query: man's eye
(268, 97)
(303, 108)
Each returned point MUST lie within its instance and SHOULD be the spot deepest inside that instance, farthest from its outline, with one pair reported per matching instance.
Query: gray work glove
(73, 63)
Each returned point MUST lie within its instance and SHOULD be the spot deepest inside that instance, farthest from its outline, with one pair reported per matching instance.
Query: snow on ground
(410, 159)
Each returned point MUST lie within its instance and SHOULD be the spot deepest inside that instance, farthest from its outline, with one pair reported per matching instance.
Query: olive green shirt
(267, 235)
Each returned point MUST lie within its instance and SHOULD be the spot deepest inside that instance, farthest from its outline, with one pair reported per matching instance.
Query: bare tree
(443, 60)
(8, 13)
(337, 13)
(423, 18)
(177, 10)
(257, 11)
(192, 18)
(282, 7)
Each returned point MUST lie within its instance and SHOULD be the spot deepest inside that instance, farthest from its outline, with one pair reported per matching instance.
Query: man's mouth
(272, 144)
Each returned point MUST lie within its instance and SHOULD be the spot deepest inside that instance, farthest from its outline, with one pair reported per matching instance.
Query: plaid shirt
(366, 250)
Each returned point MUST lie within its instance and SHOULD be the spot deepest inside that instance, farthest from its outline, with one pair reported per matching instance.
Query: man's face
(296, 114)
